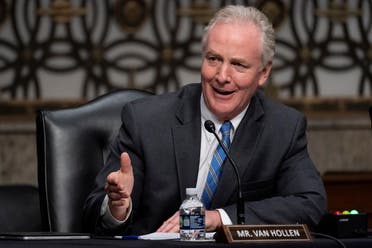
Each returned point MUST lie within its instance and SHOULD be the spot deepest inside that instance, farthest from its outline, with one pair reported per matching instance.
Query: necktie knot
(225, 128)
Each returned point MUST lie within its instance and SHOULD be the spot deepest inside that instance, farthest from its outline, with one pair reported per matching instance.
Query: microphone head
(209, 125)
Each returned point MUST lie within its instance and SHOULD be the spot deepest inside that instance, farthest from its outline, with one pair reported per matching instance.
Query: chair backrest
(72, 145)
(19, 209)
(370, 114)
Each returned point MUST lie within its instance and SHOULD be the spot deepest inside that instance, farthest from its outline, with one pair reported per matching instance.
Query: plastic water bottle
(192, 217)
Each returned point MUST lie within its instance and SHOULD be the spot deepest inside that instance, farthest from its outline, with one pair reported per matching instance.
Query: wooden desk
(103, 243)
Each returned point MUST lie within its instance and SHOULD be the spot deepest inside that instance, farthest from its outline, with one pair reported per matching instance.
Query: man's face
(231, 68)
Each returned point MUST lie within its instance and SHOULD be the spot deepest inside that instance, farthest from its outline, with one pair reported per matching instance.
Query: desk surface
(101, 243)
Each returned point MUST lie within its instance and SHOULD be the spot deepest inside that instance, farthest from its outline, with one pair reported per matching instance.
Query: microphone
(210, 127)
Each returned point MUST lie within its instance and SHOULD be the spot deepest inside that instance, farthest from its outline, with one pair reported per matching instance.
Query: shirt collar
(206, 114)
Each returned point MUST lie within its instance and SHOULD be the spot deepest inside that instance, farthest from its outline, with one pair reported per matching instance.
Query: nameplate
(263, 233)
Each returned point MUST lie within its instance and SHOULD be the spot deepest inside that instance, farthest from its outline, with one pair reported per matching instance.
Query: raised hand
(119, 186)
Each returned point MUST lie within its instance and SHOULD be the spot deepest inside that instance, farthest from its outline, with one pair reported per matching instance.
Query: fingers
(121, 202)
(171, 225)
(113, 186)
(115, 195)
(125, 164)
(119, 184)
(212, 220)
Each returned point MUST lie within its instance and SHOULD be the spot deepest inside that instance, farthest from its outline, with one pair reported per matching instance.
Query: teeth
(224, 92)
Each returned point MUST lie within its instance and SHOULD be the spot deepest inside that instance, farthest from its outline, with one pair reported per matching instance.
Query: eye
(213, 60)
(240, 65)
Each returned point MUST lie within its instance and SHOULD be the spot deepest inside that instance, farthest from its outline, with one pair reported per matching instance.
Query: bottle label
(192, 222)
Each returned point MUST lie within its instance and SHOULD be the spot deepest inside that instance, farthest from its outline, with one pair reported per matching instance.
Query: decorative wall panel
(83, 48)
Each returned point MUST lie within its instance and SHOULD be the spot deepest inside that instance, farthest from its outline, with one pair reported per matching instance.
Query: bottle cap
(191, 191)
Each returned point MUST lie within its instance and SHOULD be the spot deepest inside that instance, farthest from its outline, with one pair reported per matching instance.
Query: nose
(223, 73)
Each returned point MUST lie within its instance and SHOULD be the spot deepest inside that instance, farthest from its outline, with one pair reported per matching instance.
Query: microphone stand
(209, 125)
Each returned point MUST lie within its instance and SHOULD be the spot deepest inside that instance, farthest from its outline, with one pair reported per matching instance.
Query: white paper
(170, 236)
(159, 236)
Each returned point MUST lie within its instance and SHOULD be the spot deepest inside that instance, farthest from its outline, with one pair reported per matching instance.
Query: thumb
(125, 163)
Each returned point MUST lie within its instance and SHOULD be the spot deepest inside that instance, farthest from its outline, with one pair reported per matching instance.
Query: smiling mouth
(223, 92)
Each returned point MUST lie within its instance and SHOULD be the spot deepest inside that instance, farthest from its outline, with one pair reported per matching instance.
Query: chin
(222, 115)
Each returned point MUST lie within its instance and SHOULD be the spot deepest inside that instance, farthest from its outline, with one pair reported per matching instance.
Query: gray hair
(239, 13)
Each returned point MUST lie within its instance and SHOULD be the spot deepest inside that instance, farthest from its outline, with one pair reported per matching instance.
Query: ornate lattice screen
(81, 49)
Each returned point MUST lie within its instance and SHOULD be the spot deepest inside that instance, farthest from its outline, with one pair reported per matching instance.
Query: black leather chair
(370, 114)
(19, 209)
(72, 145)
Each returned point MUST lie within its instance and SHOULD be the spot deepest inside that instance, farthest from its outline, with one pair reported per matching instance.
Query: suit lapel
(242, 149)
(186, 138)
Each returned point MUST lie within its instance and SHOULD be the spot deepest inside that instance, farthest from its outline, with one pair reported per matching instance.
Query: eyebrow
(233, 60)
(211, 52)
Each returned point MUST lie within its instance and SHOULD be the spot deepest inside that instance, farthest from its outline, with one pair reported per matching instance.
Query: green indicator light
(354, 211)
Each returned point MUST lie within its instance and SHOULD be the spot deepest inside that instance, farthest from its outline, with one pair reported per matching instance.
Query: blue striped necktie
(215, 168)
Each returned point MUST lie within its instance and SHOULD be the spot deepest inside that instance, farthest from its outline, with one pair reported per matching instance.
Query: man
(163, 148)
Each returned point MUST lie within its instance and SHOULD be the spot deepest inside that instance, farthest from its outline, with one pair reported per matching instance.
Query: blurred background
(62, 53)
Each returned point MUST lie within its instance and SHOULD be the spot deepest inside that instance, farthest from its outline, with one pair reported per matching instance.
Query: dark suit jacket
(162, 136)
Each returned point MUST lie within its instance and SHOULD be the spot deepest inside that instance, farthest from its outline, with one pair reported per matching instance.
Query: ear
(265, 73)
